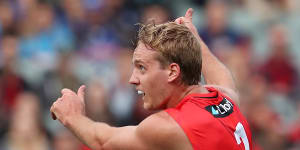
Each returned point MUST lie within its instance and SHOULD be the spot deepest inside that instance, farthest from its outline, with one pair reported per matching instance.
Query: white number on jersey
(239, 134)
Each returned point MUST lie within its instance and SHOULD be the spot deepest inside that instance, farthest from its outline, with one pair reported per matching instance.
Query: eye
(142, 68)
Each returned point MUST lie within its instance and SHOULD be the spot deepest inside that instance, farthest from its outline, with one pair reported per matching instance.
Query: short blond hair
(175, 44)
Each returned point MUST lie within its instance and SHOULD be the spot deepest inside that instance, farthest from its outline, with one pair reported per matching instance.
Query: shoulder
(232, 94)
(160, 129)
(158, 123)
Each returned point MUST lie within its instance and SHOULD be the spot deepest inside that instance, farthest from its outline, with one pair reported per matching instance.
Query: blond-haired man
(167, 67)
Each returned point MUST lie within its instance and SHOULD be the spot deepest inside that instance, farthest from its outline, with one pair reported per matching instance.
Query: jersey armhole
(173, 114)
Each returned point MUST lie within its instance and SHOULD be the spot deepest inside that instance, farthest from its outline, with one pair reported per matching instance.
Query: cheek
(155, 83)
(157, 89)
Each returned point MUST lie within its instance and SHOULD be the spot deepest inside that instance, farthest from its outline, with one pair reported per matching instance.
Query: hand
(187, 21)
(69, 105)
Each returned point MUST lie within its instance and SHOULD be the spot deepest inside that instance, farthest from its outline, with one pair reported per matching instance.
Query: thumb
(189, 14)
(80, 92)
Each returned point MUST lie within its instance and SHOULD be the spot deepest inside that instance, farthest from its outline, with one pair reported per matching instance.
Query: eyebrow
(136, 61)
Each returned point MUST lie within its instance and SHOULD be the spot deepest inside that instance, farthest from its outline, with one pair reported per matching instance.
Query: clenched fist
(68, 106)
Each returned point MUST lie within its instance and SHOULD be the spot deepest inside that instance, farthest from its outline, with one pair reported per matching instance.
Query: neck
(180, 93)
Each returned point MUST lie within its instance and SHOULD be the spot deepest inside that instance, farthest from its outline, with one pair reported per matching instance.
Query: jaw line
(163, 105)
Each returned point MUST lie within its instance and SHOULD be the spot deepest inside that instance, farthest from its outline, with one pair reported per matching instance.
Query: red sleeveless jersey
(212, 122)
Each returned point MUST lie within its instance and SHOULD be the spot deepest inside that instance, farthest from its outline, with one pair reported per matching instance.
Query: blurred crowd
(48, 45)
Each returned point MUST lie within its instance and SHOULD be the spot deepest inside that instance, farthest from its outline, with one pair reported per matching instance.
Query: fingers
(179, 20)
(187, 17)
(189, 14)
(66, 91)
(52, 109)
(53, 116)
(80, 92)
(70, 102)
(52, 112)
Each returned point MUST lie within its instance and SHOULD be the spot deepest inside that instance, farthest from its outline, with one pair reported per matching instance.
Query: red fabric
(294, 135)
(11, 86)
(280, 71)
(84, 147)
(204, 131)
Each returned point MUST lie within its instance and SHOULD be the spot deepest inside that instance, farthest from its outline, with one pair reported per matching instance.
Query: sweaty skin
(159, 131)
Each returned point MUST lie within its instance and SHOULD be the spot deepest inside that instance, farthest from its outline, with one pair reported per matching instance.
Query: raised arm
(69, 110)
(215, 73)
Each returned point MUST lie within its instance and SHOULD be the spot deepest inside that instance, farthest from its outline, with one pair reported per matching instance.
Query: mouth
(139, 92)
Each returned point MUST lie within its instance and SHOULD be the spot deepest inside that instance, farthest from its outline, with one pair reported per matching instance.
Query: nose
(133, 79)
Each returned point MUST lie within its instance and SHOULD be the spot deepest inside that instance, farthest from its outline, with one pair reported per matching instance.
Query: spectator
(123, 98)
(101, 40)
(265, 122)
(24, 6)
(6, 17)
(75, 19)
(41, 39)
(26, 131)
(55, 80)
(155, 13)
(279, 68)
(218, 35)
(11, 84)
(97, 102)
(65, 140)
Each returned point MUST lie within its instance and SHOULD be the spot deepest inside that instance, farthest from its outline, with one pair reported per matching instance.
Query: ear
(174, 72)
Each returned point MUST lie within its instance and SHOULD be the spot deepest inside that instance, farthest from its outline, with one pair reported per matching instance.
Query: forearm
(214, 71)
(93, 134)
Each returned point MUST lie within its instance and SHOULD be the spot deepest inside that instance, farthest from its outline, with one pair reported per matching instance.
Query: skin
(162, 90)
(165, 92)
(146, 70)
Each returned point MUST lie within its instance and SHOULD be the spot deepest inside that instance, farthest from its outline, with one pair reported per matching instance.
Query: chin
(147, 107)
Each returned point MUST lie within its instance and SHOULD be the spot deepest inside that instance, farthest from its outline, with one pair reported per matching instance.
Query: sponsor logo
(224, 109)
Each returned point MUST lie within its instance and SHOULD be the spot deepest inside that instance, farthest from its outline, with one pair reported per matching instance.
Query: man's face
(149, 77)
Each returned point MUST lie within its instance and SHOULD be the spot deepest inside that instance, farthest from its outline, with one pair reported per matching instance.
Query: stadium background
(46, 45)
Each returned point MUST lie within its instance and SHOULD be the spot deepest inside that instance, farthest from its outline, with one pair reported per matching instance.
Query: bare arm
(100, 136)
(69, 110)
(214, 71)
(93, 134)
